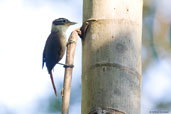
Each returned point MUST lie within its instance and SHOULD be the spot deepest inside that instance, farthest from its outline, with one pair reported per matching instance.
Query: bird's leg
(66, 65)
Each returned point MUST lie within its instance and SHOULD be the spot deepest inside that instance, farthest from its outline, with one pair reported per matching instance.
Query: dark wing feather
(52, 51)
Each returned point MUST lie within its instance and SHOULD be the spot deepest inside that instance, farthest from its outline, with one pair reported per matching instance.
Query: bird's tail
(53, 84)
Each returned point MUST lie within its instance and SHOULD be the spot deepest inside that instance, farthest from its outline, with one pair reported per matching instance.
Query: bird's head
(61, 24)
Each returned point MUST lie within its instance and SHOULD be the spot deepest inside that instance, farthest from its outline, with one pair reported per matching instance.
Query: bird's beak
(72, 23)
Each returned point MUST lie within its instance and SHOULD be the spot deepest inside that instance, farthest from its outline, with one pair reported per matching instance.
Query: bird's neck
(59, 28)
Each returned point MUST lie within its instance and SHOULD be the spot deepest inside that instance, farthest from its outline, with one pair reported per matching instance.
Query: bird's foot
(68, 66)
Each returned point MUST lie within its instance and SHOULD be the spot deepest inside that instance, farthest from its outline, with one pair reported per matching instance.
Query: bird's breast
(62, 40)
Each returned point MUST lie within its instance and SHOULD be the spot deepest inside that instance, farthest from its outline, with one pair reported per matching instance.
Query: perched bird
(55, 45)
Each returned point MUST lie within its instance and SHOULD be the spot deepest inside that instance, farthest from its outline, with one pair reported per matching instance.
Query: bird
(55, 46)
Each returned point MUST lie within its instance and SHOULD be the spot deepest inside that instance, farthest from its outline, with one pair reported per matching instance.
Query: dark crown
(60, 21)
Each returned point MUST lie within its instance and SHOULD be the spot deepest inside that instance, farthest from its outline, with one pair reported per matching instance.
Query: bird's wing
(52, 51)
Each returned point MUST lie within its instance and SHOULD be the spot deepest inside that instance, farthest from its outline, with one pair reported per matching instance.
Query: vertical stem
(68, 71)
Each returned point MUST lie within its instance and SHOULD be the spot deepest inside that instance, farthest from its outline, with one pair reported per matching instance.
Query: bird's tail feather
(53, 84)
